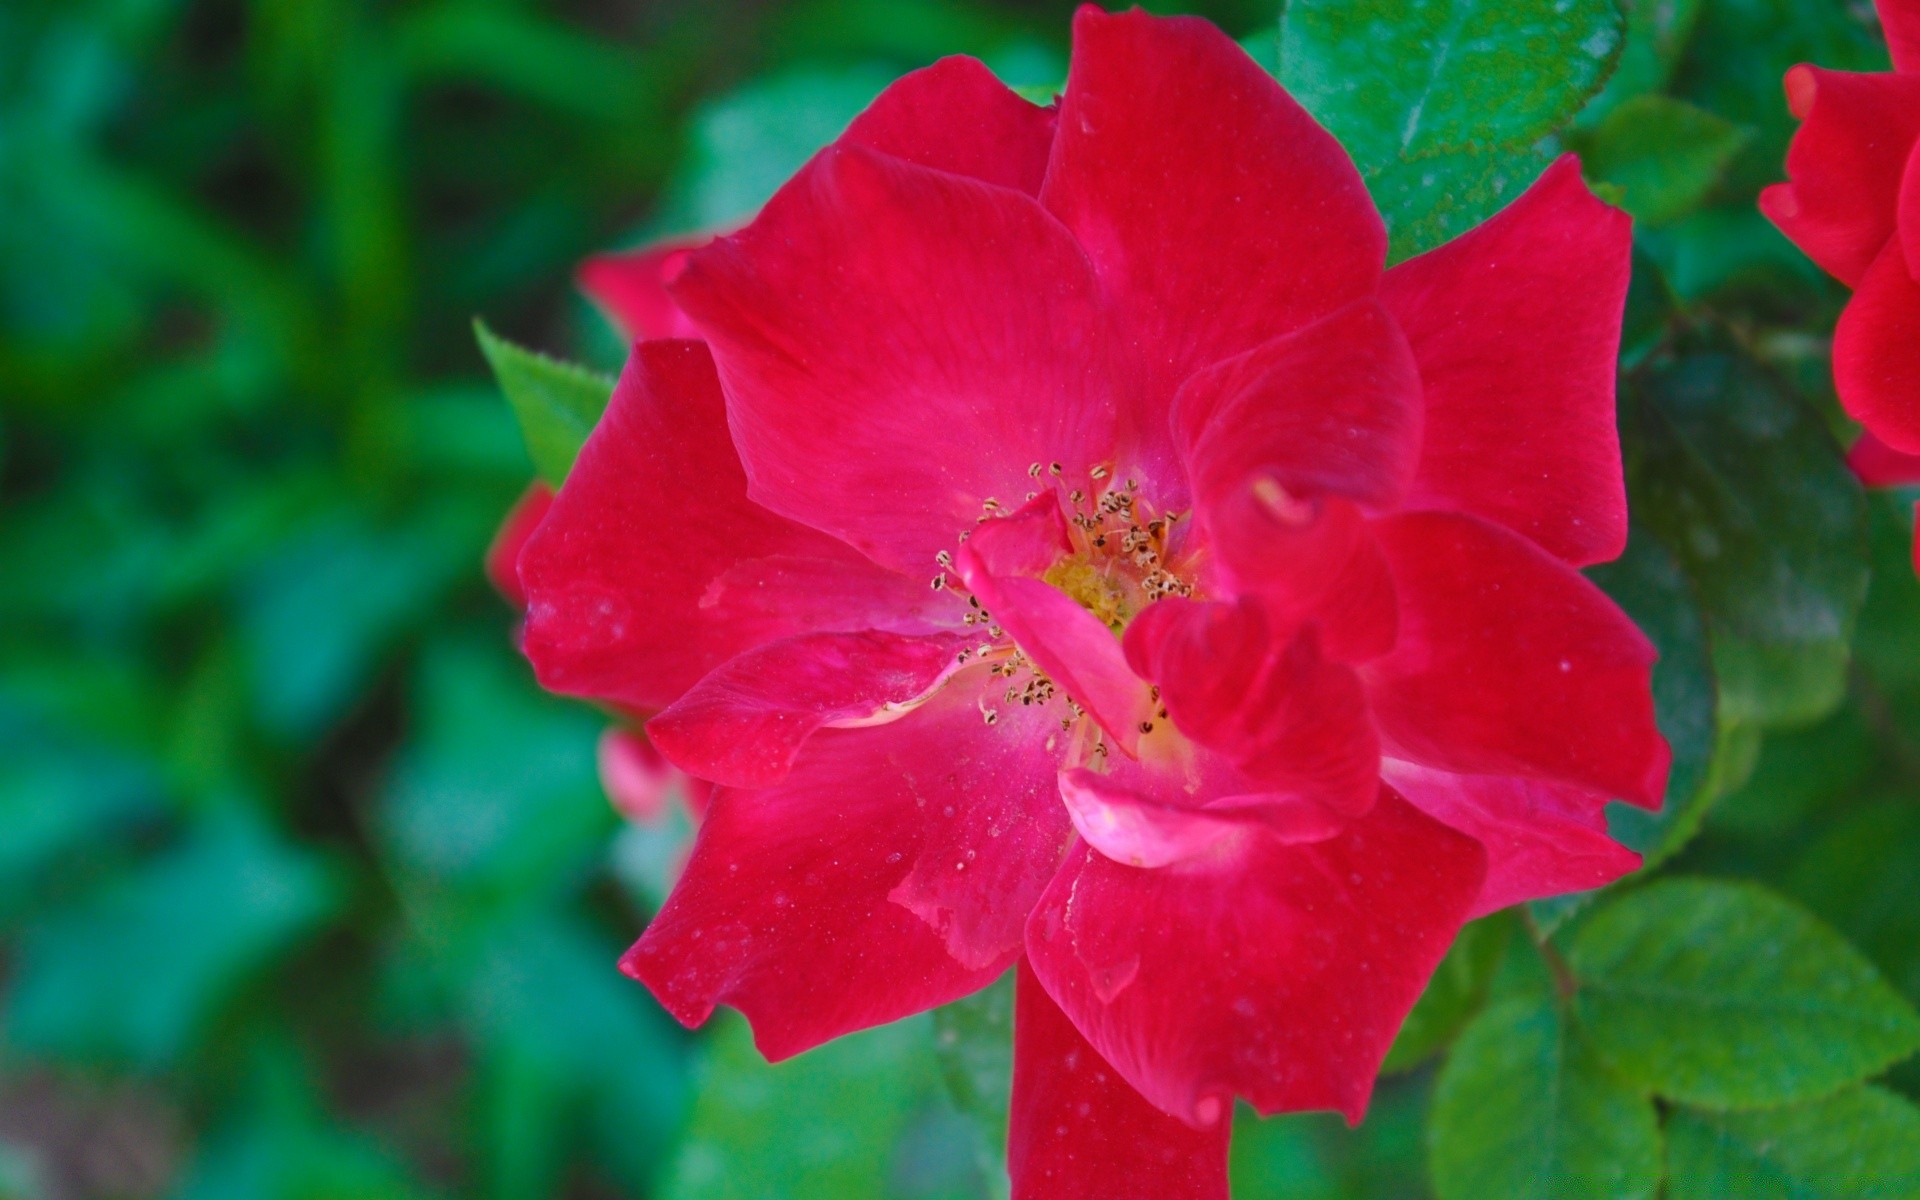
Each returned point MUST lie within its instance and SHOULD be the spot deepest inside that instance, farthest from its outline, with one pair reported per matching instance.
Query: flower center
(1123, 558)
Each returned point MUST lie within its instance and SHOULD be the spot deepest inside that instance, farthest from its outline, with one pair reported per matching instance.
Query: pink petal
(956, 116)
(1908, 218)
(1078, 1129)
(1511, 662)
(899, 345)
(503, 553)
(1217, 213)
(1307, 560)
(743, 723)
(637, 780)
(1516, 326)
(787, 908)
(1264, 697)
(1542, 839)
(627, 578)
(1146, 818)
(1331, 409)
(1876, 353)
(1845, 165)
(1900, 20)
(1067, 642)
(1877, 464)
(631, 288)
(1279, 973)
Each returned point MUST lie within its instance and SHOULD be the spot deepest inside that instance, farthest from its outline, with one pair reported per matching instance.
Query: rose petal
(787, 911)
(1262, 696)
(1067, 642)
(1542, 839)
(1516, 326)
(1845, 165)
(899, 345)
(1307, 560)
(503, 553)
(631, 288)
(1329, 410)
(1877, 464)
(957, 116)
(636, 778)
(1279, 973)
(1140, 828)
(742, 724)
(626, 575)
(1078, 1129)
(1876, 353)
(1900, 21)
(1511, 662)
(1217, 213)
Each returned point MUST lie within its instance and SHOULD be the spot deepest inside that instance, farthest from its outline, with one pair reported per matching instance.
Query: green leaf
(1525, 1111)
(1740, 480)
(1647, 582)
(1455, 993)
(817, 1127)
(558, 403)
(1657, 35)
(1862, 1144)
(973, 1043)
(1727, 996)
(1664, 155)
(1402, 79)
(1430, 200)
(139, 970)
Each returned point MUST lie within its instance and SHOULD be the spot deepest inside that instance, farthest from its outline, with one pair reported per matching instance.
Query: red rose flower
(1853, 204)
(1068, 547)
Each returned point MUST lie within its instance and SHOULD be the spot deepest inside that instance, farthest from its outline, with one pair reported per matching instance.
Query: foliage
(306, 889)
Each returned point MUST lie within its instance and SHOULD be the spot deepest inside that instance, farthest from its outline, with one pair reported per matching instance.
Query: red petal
(1900, 19)
(898, 345)
(636, 577)
(1149, 818)
(1516, 326)
(956, 116)
(1511, 662)
(631, 288)
(1845, 165)
(1306, 561)
(503, 553)
(1332, 409)
(1077, 1129)
(1876, 353)
(1262, 696)
(1877, 464)
(1217, 213)
(791, 907)
(1542, 839)
(743, 723)
(1908, 218)
(1280, 972)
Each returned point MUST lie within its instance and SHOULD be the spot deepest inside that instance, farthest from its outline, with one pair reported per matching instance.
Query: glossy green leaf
(1741, 482)
(1430, 200)
(1657, 36)
(1862, 1144)
(1684, 981)
(558, 403)
(1403, 79)
(1664, 155)
(1524, 1110)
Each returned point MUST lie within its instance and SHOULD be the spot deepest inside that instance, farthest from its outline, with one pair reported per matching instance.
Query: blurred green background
(307, 891)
